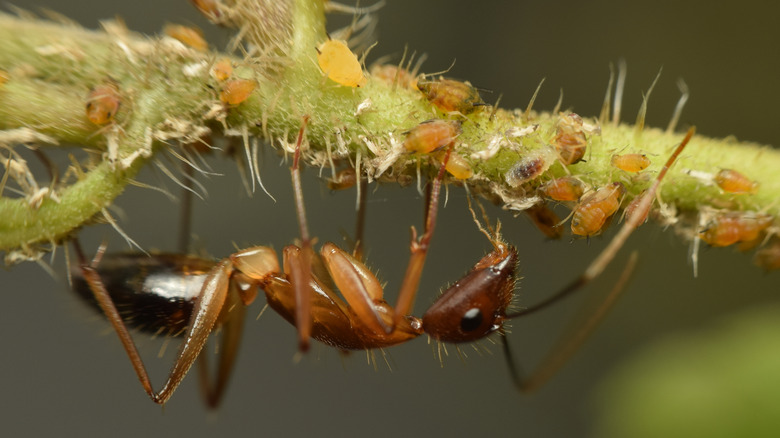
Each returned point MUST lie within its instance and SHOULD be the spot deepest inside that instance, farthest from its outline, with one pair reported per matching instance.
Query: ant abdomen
(153, 293)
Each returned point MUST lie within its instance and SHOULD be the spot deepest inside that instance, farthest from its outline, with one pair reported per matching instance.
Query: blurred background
(64, 373)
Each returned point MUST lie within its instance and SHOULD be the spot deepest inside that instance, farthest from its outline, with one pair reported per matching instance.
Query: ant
(471, 309)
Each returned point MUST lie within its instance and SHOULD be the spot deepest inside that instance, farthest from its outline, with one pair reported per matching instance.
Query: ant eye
(471, 320)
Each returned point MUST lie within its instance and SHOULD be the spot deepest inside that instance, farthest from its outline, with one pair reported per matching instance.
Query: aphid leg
(570, 341)
(419, 247)
(299, 262)
(207, 308)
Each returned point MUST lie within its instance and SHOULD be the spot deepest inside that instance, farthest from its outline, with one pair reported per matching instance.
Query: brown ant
(471, 309)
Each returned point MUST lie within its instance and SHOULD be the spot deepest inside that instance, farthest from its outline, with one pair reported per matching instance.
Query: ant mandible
(471, 309)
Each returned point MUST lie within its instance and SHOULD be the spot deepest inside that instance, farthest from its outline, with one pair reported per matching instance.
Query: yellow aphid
(222, 70)
(457, 166)
(236, 91)
(103, 103)
(188, 36)
(3, 77)
(340, 64)
(631, 162)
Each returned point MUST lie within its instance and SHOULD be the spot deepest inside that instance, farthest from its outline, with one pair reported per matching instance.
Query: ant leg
(570, 341)
(360, 221)
(419, 248)
(232, 319)
(299, 262)
(207, 307)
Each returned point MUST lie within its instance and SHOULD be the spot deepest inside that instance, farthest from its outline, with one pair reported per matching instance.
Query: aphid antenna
(620, 86)
(640, 117)
(684, 95)
(530, 106)
(426, 75)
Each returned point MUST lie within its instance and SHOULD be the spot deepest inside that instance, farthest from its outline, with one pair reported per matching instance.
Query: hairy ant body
(471, 309)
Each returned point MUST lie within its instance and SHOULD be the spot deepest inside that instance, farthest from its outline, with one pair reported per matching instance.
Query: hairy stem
(169, 98)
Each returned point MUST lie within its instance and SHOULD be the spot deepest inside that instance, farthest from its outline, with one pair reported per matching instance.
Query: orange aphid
(431, 135)
(769, 258)
(631, 208)
(457, 166)
(570, 140)
(343, 179)
(567, 188)
(631, 162)
(3, 77)
(732, 181)
(189, 36)
(545, 220)
(733, 227)
(209, 8)
(592, 213)
(451, 96)
(236, 91)
(340, 64)
(394, 75)
(103, 103)
(222, 70)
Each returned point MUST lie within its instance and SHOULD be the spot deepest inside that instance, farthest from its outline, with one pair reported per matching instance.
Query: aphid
(570, 140)
(457, 166)
(3, 77)
(431, 135)
(340, 64)
(394, 75)
(209, 8)
(451, 96)
(633, 208)
(344, 179)
(768, 258)
(731, 181)
(732, 227)
(189, 36)
(222, 70)
(592, 213)
(103, 102)
(236, 91)
(545, 220)
(533, 164)
(567, 188)
(631, 162)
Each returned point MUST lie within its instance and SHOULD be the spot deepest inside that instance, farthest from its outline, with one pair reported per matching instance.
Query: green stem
(167, 92)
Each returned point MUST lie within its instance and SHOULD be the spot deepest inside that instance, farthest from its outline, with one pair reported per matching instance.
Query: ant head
(475, 305)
